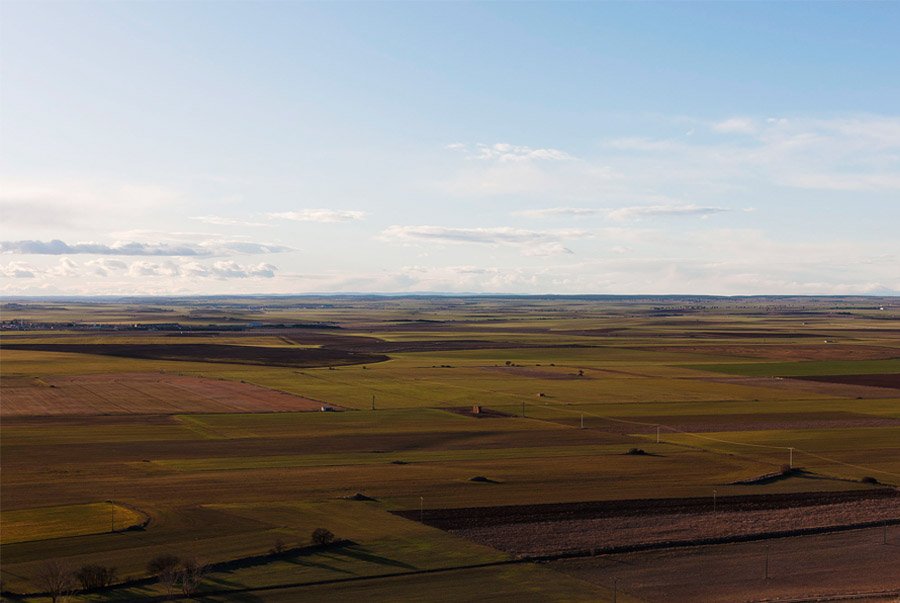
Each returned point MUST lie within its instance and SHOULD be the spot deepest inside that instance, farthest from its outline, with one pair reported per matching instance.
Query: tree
(56, 579)
(322, 537)
(95, 576)
(278, 547)
(190, 575)
(166, 568)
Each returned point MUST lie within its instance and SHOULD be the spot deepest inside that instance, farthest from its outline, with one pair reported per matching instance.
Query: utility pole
(791, 461)
(767, 562)
(714, 501)
(112, 517)
(582, 420)
(422, 509)
(523, 409)
(615, 588)
(373, 401)
(657, 434)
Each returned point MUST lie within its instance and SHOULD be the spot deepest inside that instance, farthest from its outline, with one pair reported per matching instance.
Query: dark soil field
(237, 354)
(818, 386)
(789, 352)
(546, 530)
(456, 519)
(889, 380)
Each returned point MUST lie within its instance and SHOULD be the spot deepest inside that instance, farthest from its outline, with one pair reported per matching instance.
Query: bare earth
(550, 537)
(828, 388)
(141, 393)
(800, 568)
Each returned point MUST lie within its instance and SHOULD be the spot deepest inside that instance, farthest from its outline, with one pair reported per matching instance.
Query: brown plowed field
(141, 393)
(538, 530)
(891, 380)
(200, 352)
(802, 568)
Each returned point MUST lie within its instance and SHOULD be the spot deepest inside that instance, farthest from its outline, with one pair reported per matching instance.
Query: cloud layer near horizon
(714, 209)
(57, 247)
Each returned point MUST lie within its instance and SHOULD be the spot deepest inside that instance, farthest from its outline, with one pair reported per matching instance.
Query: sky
(175, 148)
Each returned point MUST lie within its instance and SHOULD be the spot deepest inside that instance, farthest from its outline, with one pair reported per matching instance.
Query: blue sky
(173, 148)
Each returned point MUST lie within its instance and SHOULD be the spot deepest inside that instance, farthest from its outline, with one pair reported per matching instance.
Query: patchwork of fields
(206, 446)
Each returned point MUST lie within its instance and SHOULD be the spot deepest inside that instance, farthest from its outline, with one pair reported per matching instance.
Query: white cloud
(17, 270)
(64, 268)
(650, 211)
(206, 248)
(103, 266)
(505, 153)
(47, 202)
(225, 221)
(735, 125)
(626, 213)
(531, 242)
(848, 154)
(318, 215)
(550, 212)
(545, 249)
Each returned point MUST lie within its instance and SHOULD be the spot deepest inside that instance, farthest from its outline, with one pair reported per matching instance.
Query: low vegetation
(579, 402)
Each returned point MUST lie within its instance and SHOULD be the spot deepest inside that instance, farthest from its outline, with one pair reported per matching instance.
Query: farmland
(210, 443)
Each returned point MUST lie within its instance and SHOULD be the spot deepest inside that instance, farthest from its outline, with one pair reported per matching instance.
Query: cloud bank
(57, 247)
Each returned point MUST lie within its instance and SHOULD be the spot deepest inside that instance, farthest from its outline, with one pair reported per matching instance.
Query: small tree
(95, 576)
(166, 568)
(322, 537)
(56, 579)
(278, 547)
(190, 575)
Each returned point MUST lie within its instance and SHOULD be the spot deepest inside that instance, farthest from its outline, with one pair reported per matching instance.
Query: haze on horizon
(623, 148)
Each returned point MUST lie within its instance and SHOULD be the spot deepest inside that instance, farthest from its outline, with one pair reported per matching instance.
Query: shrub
(190, 575)
(163, 562)
(636, 451)
(56, 579)
(278, 547)
(167, 568)
(869, 480)
(322, 537)
(95, 576)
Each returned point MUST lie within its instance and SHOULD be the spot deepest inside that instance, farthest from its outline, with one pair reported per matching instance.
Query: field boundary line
(822, 598)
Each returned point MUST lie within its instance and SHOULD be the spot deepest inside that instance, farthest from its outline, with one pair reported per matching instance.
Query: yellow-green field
(44, 523)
